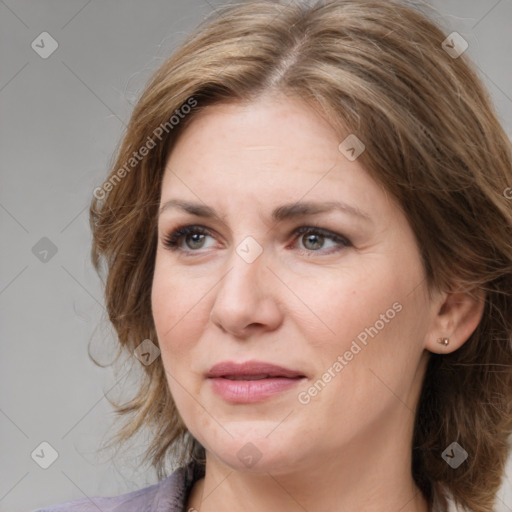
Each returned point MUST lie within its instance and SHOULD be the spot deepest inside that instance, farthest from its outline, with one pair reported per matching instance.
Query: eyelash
(172, 240)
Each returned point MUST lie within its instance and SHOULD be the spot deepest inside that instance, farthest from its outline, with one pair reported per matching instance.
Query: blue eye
(194, 238)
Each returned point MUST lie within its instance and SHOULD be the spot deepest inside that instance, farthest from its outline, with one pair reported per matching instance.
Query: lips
(251, 370)
(252, 381)
(250, 377)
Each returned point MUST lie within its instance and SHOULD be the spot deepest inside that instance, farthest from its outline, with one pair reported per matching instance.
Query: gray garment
(169, 495)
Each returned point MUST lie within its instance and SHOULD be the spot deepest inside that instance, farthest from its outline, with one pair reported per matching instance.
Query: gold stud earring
(443, 341)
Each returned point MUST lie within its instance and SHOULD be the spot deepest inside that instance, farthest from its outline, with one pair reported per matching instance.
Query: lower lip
(248, 391)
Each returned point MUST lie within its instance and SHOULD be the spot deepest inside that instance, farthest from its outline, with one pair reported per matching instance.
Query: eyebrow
(281, 213)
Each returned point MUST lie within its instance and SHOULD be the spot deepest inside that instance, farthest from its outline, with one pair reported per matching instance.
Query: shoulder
(168, 495)
(128, 502)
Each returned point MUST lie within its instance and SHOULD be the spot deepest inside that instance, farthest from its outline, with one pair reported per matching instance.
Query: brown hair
(433, 140)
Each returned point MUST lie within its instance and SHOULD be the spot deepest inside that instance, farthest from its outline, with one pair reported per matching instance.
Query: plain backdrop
(61, 119)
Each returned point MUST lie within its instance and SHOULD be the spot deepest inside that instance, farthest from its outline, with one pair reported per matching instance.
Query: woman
(306, 240)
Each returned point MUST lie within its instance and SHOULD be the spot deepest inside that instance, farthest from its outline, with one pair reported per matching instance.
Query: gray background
(60, 121)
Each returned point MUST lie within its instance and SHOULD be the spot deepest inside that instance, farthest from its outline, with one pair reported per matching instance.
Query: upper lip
(251, 368)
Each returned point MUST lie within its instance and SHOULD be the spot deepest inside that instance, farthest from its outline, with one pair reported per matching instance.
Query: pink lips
(251, 381)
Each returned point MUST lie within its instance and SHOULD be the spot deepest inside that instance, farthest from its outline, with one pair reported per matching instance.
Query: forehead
(272, 124)
(274, 149)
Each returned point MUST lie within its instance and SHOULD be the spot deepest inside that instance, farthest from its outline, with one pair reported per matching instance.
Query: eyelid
(339, 239)
(170, 240)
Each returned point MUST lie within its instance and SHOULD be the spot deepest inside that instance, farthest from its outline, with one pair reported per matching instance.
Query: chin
(256, 454)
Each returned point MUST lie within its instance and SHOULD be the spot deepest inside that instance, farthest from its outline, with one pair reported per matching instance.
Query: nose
(246, 300)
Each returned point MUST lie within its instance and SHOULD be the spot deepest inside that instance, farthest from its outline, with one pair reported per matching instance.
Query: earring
(443, 341)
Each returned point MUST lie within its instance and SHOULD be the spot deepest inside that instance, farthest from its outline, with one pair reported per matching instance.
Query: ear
(456, 316)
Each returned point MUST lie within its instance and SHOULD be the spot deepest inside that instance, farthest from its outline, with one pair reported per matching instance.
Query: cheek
(178, 313)
(370, 317)
(379, 336)
(179, 316)
(339, 305)
(371, 358)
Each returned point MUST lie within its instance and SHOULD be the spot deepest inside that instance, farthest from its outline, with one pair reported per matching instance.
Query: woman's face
(273, 271)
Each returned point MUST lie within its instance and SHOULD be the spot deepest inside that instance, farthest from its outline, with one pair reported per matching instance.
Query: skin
(299, 304)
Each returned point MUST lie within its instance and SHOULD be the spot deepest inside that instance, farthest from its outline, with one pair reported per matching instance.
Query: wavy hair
(377, 69)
